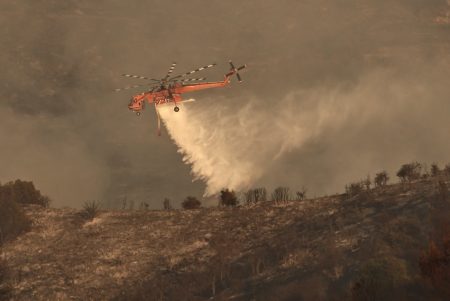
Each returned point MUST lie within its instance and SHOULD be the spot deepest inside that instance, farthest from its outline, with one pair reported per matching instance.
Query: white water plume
(231, 147)
(241, 143)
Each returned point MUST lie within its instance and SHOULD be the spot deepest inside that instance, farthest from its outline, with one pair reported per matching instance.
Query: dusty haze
(334, 90)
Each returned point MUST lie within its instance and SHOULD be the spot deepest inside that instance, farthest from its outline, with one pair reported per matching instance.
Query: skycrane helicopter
(169, 89)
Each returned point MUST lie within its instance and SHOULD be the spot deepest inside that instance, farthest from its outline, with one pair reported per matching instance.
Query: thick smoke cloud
(334, 90)
(246, 146)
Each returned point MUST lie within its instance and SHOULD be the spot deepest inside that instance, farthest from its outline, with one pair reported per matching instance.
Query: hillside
(315, 249)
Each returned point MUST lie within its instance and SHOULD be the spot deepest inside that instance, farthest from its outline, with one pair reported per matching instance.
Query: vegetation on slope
(367, 244)
(384, 242)
(13, 221)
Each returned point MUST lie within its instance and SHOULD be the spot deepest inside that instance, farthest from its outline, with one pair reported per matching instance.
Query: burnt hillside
(327, 248)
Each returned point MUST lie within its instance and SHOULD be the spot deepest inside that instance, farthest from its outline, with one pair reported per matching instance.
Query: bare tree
(248, 197)
(143, 205)
(131, 207)
(281, 194)
(255, 195)
(367, 182)
(167, 205)
(124, 203)
(260, 194)
(301, 195)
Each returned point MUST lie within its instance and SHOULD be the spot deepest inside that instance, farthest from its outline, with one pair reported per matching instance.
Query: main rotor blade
(242, 67)
(132, 87)
(239, 77)
(193, 79)
(139, 76)
(170, 70)
(193, 71)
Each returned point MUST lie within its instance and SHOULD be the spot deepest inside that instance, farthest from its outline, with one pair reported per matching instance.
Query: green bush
(13, 220)
(23, 192)
(378, 278)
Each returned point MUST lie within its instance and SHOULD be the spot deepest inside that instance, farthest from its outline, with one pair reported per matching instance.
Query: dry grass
(268, 247)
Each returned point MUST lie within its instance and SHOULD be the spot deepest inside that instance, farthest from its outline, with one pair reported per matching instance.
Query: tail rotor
(234, 70)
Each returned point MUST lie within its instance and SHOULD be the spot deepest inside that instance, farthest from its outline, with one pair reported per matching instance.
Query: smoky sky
(334, 90)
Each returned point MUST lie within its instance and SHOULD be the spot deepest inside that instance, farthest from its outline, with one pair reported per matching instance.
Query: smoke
(225, 148)
(331, 85)
(239, 144)
(45, 151)
(234, 146)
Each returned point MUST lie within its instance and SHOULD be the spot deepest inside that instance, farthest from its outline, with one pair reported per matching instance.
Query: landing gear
(176, 109)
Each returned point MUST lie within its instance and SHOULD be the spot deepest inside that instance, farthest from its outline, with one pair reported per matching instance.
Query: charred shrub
(91, 209)
(381, 179)
(228, 198)
(23, 192)
(191, 203)
(443, 191)
(435, 170)
(410, 172)
(13, 220)
(354, 189)
(446, 170)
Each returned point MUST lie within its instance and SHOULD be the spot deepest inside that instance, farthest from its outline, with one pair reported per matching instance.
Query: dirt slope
(308, 250)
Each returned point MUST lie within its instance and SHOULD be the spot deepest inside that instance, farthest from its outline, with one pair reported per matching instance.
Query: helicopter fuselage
(171, 93)
(169, 89)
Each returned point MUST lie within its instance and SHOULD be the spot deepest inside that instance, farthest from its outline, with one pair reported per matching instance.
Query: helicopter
(169, 88)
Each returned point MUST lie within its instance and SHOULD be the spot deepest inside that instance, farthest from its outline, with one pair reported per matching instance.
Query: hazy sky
(335, 90)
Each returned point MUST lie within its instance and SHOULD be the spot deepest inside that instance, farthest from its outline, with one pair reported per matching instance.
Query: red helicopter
(169, 89)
